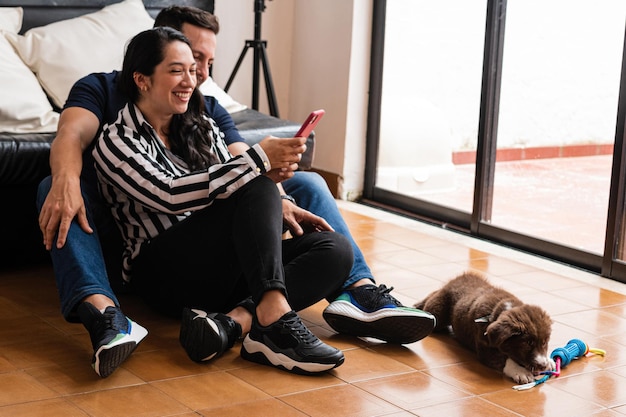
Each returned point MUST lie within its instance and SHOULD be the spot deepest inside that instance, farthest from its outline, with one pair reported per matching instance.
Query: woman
(203, 229)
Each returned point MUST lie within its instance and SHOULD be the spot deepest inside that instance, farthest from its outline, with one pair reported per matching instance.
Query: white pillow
(11, 19)
(24, 107)
(63, 52)
(209, 88)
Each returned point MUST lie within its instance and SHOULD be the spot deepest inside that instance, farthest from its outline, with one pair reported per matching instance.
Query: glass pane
(431, 99)
(558, 107)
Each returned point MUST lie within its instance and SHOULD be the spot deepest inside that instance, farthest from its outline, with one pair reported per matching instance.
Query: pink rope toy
(562, 357)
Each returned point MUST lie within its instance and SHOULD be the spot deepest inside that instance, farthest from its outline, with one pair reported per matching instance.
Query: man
(70, 206)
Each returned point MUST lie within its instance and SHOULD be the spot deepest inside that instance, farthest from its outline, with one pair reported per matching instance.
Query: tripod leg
(269, 84)
(237, 65)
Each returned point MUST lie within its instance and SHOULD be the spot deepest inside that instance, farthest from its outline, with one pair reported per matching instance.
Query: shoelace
(109, 321)
(383, 292)
(296, 327)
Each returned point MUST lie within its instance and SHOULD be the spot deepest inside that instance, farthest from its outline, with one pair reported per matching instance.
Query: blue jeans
(311, 193)
(79, 266)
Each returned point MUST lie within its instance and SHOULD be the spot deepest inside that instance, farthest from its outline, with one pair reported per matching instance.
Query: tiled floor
(44, 361)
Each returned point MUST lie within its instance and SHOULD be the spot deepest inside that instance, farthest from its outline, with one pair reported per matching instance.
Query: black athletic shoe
(289, 345)
(370, 311)
(113, 336)
(205, 336)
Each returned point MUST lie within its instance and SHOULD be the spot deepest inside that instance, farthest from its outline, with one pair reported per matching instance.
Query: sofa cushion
(24, 107)
(62, 52)
(11, 19)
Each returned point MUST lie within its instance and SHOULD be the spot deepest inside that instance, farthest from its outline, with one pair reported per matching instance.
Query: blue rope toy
(562, 357)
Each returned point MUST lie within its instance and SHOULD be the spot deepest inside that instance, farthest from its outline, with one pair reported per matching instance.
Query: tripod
(259, 48)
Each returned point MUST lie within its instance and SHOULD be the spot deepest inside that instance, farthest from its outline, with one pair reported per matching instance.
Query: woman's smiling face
(168, 90)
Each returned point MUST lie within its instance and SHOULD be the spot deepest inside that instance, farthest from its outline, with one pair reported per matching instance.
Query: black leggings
(234, 249)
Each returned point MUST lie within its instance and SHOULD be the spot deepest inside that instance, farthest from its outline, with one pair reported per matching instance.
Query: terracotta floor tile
(45, 408)
(78, 378)
(6, 366)
(464, 408)
(596, 322)
(495, 265)
(543, 400)
(50, 349)
(430, 352)
(454, 253)
(45, 361)
(364, 364)
(277, 383)
(211, 390)
(163, 364)
(263, 408)
(412, 390)
(609, 413)
(593, 296)
(605, 388)
(342, 401)
(546, 281)
(471, 377)
(143, 400)
(408, 259)
(19, 387)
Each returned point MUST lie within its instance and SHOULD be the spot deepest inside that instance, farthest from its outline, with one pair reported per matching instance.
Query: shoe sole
(194, 328)
(258, 352)
(392, 325)
(108, 357)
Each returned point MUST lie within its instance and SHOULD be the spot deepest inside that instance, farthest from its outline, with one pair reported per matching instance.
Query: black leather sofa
(24, 158)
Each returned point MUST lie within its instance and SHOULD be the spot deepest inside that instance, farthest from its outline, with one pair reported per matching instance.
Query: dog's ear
(500, 331)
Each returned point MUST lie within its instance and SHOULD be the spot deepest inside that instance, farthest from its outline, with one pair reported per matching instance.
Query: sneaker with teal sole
(113, 336)
(370, 311)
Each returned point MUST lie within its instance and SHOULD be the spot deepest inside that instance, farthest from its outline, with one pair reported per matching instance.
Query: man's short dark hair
(176, 16)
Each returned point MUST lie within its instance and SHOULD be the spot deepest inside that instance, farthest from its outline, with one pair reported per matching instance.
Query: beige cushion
(11, 19)
(24, 107)
(63, 52)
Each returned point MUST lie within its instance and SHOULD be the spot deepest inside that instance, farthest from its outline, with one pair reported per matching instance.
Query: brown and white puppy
(508, 335)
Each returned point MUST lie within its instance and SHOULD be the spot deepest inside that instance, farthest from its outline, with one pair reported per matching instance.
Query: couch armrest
(24, 158)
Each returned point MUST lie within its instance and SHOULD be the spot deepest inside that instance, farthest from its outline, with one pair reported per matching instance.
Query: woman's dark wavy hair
(189, 133)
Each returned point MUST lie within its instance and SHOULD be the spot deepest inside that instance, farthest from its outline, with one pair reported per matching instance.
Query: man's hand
(284, 154)
(63, 203)
(299, 220)
(77, 128)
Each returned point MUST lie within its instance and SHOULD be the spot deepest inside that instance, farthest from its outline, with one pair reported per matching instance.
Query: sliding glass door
(501, 118)
(431, 100)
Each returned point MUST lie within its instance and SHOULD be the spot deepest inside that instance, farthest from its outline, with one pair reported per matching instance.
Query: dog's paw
(517, 373)
(551, 365)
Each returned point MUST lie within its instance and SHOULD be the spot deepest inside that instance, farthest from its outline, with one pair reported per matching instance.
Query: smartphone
(309, 124)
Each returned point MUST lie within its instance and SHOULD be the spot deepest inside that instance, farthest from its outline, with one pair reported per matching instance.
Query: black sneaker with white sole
(205, 336)
(370, 311)
(113, 336)
(289, 345)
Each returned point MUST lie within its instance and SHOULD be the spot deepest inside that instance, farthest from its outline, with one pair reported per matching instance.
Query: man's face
(203, 44)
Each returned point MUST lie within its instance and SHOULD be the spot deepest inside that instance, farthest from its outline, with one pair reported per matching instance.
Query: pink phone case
(310, 123)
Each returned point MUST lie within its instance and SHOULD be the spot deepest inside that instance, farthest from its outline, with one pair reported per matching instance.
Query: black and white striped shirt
(149, 188)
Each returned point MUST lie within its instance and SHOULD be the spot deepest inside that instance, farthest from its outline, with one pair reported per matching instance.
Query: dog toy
(562, 357)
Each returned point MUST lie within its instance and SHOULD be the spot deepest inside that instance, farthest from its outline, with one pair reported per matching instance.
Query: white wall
(319, 58)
